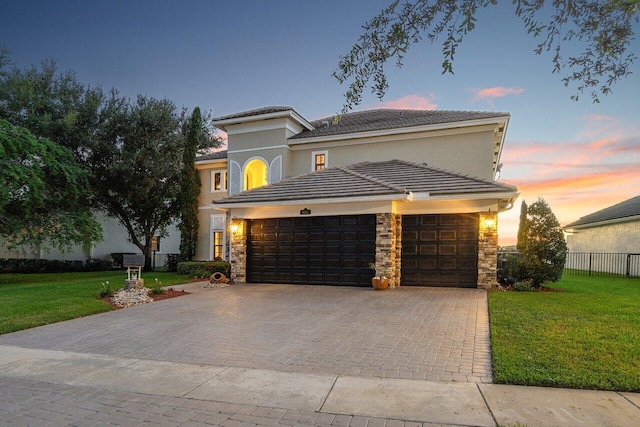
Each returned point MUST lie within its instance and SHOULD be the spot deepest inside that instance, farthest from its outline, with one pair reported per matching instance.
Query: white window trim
(223, 219)
(223, 180)
(313, 159)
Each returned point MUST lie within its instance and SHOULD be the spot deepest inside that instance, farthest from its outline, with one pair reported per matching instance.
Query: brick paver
(413, 333)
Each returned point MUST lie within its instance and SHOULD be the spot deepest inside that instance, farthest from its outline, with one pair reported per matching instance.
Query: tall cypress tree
(522, 227)
(190, 189)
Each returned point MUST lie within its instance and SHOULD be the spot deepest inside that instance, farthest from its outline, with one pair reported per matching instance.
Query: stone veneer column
(398, 248)
(386, 247)
(487, 250)
(239, 254)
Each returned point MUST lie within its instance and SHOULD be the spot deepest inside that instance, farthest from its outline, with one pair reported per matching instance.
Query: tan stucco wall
(613, 238)
(470, 153)
(206, 210)
(258, 139)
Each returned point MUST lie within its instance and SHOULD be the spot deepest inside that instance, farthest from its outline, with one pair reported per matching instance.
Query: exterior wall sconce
(235, 226)
(489, 221)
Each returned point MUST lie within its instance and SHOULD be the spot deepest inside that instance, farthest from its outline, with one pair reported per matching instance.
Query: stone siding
(239, 254)
(388, 246)
(487, 250)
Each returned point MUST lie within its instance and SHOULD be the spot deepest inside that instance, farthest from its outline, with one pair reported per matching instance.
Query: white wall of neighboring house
(622, 237)
(115, 239)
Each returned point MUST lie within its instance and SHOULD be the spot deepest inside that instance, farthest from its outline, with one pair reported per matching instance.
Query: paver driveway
(418, 333)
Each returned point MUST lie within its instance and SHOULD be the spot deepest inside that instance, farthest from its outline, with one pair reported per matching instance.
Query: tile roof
(212, 156)
(383, 119)
(392, 177)
(626, 209)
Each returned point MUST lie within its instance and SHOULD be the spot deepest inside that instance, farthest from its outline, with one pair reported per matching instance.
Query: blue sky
(243, 54)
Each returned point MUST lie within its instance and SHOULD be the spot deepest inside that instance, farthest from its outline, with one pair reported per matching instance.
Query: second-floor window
(319, 160)
(218, 181)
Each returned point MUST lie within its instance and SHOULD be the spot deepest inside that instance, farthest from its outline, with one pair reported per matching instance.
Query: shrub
(511, 266)
(106, 290)
(156, 288)
(204, 268)
(544, 250)
(172, 262)
(13, 265)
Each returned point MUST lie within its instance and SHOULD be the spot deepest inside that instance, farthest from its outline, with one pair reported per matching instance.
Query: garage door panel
(448, 235)
(424, 235)
(427, 249)
(440, 250)
(447, 249)
(314, 250)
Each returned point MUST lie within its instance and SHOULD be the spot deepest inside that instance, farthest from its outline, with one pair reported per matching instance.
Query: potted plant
(380, 282)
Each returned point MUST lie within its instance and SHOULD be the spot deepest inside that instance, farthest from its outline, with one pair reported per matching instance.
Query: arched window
(255, 174)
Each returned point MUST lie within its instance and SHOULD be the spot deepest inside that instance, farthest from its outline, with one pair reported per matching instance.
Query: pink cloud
(495, 92)
(597, 168)
(411, 102)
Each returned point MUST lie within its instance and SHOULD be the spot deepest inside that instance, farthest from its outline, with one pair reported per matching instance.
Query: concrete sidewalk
(47, 387)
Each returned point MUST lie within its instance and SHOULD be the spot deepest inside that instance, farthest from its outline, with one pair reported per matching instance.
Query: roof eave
(222, 124)
(402, 130)
(631, 218)
(209, 161)
(508, 196)
(327, 200)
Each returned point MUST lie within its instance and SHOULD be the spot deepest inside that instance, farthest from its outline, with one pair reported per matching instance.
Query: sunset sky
(238, 55)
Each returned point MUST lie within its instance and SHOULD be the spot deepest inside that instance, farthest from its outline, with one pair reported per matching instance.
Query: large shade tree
(600, 32)
(132, 150)
(42, 190)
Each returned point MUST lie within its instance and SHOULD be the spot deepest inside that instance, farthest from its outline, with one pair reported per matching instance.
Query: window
(318, 160)
(218, 245)
(255, 174)
(218, 181)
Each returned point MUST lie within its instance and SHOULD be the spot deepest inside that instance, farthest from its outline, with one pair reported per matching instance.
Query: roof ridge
(370, 178)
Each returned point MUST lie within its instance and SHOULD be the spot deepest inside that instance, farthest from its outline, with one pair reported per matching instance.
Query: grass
(29, 300)
(587, 337)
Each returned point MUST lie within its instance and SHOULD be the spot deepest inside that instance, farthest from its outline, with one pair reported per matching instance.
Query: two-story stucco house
(315, 202)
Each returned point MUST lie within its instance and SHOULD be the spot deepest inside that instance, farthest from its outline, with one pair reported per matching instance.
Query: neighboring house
(315, 202)
(615, 229)
(115, 239)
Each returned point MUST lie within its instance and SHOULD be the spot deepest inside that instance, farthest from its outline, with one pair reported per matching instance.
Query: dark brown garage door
(332, 250)
(440, 250)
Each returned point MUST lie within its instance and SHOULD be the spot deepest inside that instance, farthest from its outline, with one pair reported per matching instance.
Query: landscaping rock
(131, 297)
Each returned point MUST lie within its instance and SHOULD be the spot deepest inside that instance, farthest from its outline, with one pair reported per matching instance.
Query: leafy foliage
(190, 188)
(522, 226)
(42, 192)
(132, 150)
(544, 250)
(602, 30)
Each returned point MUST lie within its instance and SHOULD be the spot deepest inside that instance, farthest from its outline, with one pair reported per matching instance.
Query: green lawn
(586, 337)
(28, 300)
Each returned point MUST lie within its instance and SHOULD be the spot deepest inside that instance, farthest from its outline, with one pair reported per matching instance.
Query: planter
(380, 284)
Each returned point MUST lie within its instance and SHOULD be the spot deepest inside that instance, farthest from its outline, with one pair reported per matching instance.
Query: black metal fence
(590, 264)
(602, 264)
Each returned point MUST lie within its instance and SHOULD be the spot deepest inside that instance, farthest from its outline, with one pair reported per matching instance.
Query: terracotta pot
(380, 284)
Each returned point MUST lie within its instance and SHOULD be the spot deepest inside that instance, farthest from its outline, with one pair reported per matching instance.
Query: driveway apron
(412, 333)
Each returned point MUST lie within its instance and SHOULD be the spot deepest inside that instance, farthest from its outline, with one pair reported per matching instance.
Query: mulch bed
(168, 293)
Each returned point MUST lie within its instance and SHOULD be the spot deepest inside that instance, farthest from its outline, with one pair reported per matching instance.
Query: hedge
(204, 268)
(14, 265)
